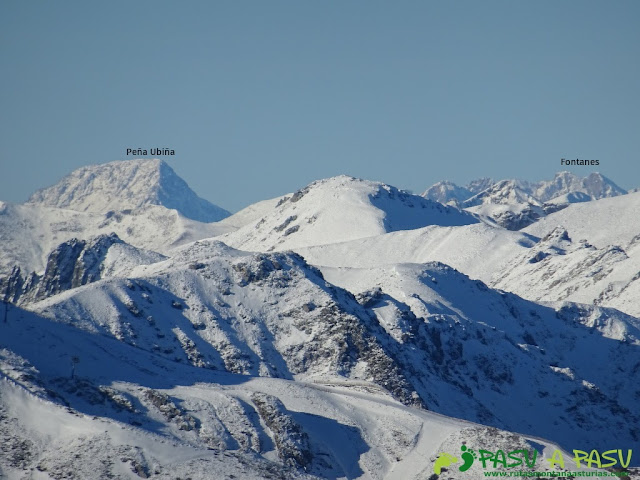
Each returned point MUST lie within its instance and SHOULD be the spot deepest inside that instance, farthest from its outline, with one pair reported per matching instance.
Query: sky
(260, 98)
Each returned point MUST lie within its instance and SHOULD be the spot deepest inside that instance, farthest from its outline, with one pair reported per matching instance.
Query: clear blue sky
(259, 98)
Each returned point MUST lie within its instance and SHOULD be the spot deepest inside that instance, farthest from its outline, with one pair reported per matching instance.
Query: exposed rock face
(63, 269)
(70, 265)
(292, 442)
(11, 287)
(517, 220)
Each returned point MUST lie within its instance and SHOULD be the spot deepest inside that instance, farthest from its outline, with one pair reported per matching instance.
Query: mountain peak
(127, 185)
(445, 192)
(595, 185)
(339, 209)
(503, 192)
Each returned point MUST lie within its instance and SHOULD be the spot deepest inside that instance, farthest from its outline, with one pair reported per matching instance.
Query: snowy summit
(127, 185)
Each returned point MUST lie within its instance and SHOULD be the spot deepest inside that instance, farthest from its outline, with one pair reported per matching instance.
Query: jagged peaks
(127, 185)
(503, 192)
(562, 181)
(595, 185)
(508, 203)
(564, 184)
(515, 204)
(339, 209)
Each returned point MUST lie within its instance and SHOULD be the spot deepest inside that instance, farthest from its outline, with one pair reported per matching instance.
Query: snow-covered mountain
(479, 250)
(588, 253)
(78, 405)
(75, 263)
(515, 204)
(609, 221)
(425, 334)
(28, 233)
(560, 268)
(595, 185)
(447, 192)
(127, 185)
(339, 209)
(455, 312)
(362, 331)
(479, 184)
(507, 203)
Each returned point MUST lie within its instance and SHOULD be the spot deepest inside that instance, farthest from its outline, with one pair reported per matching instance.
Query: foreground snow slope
(426, 334)
(127, 413)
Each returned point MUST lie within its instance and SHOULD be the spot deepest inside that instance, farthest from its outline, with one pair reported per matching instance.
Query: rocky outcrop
(70, 265)
(292, 442)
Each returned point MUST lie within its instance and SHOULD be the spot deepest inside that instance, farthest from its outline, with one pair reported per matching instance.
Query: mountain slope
(560, 268)
(609, 221)
(129, 414)
(478, 250)
(506, 354)
(75, 263)
(426, 334)
(28, 233)
(339, 209)
(127, 185)
(507, 203)
(214, 307)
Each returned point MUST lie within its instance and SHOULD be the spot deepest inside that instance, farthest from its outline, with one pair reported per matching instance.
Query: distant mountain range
(595, 186)
(514, 204)
(346, 330)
